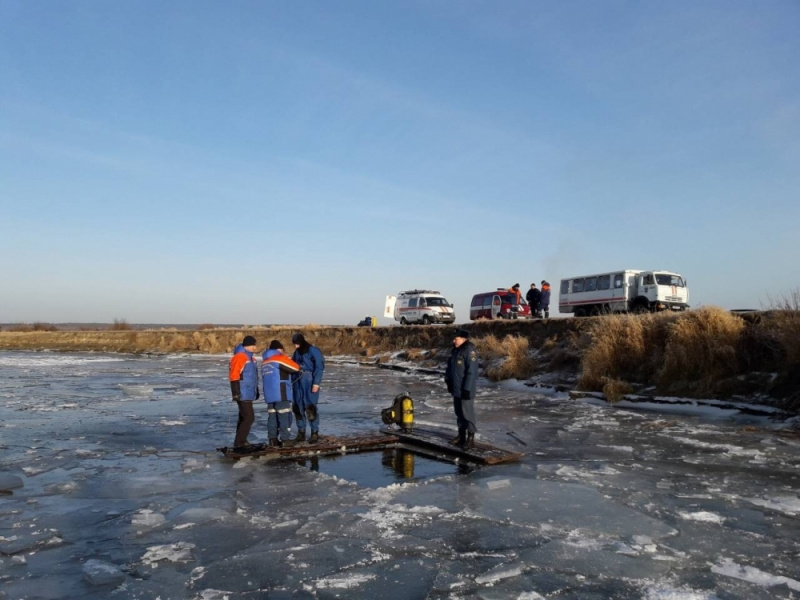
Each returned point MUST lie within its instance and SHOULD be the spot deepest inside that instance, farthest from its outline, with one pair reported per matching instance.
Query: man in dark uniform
(534, 297)
(461, 378)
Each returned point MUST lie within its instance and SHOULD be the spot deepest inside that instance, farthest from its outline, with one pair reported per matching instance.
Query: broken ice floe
(98, 572)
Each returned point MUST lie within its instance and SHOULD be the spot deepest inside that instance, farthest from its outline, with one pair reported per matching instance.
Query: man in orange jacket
(243, 375)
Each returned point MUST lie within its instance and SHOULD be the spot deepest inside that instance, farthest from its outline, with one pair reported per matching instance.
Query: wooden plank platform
(327, 446)
(425, 441)
(439, 442)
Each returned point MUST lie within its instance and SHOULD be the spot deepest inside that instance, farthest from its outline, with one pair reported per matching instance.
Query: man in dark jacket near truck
(461, 378)
(534, 297)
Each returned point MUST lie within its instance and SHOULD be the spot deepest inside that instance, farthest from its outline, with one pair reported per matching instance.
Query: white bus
(623, 291)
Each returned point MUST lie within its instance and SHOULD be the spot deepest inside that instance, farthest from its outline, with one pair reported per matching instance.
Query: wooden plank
(425, 441)
(482, 453)
(327, 445)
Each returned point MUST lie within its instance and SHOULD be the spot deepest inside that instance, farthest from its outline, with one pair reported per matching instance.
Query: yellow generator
(400, 413)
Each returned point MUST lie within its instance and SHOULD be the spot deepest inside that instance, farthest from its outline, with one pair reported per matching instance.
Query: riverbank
(707, 353)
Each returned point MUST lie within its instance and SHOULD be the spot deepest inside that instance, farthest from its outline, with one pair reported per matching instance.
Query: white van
(419, 306)
(623, 291)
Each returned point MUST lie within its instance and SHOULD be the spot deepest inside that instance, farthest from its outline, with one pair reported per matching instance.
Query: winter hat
(298, 339)
(275, 345)
(462, 333)
(249, 340)
(515, 286)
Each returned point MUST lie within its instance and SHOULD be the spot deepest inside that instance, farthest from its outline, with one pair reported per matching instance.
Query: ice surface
(112, 488)
(9, 482)
(98, 572)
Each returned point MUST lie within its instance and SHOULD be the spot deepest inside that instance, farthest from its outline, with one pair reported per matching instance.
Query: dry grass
(707, 352)
(700, 350)
(615, 389)
(623, 347)
(517, 362)
(787, 302)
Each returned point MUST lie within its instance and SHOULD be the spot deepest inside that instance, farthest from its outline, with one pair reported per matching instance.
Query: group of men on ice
(291, 387)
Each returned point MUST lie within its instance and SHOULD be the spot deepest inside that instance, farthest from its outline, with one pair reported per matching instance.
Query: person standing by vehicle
(276, 373)
(461, 378)
(514, 289)
(306, 387)
(243, 376)
(534, 297)
(544, 300)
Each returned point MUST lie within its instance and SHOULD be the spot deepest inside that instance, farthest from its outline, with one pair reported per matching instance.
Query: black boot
(470, 443)
(301, 437)
(314, 438)
(460, 439)
(274, 443)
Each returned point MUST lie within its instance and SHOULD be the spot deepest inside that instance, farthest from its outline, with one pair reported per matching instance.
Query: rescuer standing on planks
(461, 378)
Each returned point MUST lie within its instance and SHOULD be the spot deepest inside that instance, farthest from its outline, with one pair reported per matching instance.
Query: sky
(257, 162)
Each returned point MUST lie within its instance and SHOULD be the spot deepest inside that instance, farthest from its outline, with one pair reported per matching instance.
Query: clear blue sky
(294, 162)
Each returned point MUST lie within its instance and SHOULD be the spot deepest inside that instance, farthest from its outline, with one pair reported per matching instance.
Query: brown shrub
(120, 325)
(518, 363)
(615, 389)
(700, 350)
(784, 327)
(624, 347)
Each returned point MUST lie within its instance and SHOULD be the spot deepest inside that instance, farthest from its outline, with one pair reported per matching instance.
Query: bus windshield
(664, 279)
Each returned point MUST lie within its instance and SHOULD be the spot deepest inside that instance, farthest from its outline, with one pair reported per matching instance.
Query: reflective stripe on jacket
(276, 372)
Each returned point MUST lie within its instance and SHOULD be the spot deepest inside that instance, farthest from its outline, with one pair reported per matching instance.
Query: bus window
(617, 280)
(590, 284)
(604, 282)
(577, 285)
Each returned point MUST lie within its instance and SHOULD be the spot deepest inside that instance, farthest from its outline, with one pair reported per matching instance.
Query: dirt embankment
(363, 341)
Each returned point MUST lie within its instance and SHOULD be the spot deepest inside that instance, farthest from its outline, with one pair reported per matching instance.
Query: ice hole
(379, 468)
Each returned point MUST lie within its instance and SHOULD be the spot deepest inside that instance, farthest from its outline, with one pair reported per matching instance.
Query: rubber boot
(287, 443)
(274, 443)
(460, 439)
(470, 442)
(314, 438)
(301, 437)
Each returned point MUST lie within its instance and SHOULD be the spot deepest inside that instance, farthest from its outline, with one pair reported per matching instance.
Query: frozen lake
(110, 487)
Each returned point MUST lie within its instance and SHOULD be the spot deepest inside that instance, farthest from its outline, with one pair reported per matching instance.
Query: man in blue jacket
(277, 370)
(461, 378)
(306, 387)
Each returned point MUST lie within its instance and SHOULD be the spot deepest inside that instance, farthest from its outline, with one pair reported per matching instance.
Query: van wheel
(426, 320)
(403, 321)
